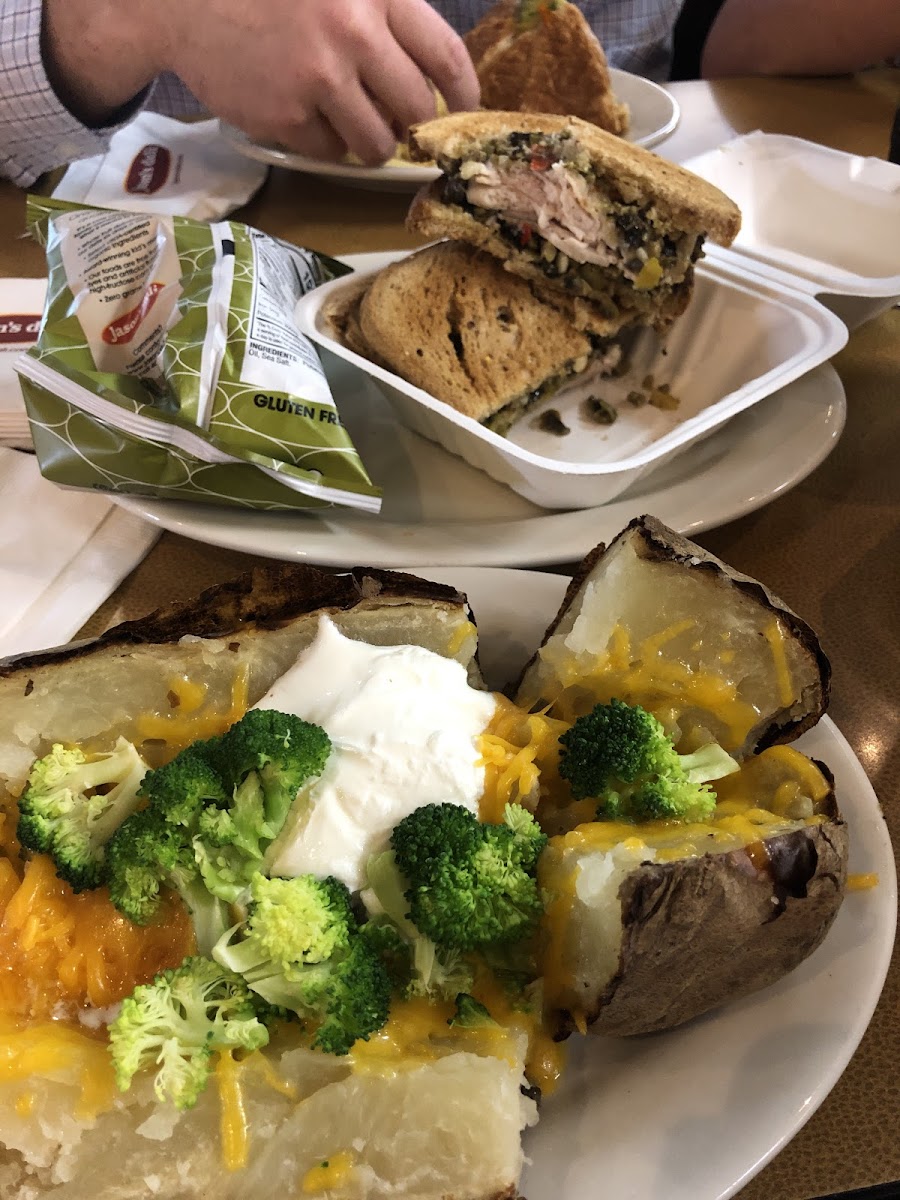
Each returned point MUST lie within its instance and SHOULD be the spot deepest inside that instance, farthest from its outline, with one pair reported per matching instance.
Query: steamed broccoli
(281, 749)
(177, 1022)
(184, 787)
(470, 1014)
(302, 950)
(214, 810)
(147, 854)
(427, 970)
(620, 755)
(265, 758)
(72, 805)
(470, 885)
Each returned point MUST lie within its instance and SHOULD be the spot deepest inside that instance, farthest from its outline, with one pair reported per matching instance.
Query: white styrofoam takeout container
(828, 219)
(751, 328)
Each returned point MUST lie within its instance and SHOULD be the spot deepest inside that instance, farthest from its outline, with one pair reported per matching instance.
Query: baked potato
(655, 924)
(644, 926)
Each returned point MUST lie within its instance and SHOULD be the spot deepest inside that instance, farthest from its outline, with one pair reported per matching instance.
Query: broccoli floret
(72, 805)
(177, 1022)
(281, 749)
(189, 783)
(432, 972)
(266, 758)
(145, 855)
(620, 755)
(302, 950)
(217, 807)
(471, 885)
(470, 1014)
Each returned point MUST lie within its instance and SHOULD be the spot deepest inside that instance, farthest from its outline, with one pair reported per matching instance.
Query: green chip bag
(168, 364)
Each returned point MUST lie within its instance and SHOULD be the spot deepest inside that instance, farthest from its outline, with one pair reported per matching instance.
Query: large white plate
(654, 115)
(437, 509)
(695, 1113)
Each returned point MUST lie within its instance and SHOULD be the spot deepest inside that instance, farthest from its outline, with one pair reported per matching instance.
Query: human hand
(319, 76)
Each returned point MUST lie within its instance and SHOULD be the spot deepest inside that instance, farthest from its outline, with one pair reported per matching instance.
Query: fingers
(357, 122)
(439, 53)
(399, 89)
(316, 138)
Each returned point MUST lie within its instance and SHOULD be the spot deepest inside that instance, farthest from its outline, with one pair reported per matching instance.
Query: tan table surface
(831, 548)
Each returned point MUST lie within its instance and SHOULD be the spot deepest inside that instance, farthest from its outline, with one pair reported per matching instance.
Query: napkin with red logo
(156, 164)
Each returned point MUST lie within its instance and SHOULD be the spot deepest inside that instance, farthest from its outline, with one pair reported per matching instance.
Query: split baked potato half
(655, 924)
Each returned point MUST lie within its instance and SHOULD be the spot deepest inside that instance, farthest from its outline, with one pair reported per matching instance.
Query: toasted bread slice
(557, 197)
(451, 321)
(548, 62)
(250, 630)
(654, 619)
(340, 312)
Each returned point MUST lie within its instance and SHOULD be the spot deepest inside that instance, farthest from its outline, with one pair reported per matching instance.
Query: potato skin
(722, 924)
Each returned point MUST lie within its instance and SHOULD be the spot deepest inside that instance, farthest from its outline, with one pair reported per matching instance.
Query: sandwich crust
(684, 200)
(451, 321)
(555, 65)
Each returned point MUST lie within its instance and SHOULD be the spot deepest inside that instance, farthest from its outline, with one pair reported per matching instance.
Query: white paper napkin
(62, 553)
(159, 165)
(21, 305)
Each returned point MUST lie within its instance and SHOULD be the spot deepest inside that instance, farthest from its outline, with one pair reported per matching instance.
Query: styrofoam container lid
(829, 218)
(742, 338)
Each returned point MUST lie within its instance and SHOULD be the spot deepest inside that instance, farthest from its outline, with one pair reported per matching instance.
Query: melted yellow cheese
(516, 749)
(407, 1039)
(464, 631)
(330, 1173)
(233, 1117)
(189, 719)
(862, 883)
(640, 675)
(774, 632)
(50, 1047)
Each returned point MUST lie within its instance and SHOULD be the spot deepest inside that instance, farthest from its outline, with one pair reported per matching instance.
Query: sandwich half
(450, 320)
(542, 56)
(559, 200)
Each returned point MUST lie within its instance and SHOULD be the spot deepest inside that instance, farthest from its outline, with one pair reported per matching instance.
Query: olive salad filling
(651, 262)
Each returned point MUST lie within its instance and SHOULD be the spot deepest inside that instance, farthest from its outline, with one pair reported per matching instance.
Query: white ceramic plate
(437, 509)
(654, 115)
(695, 1113)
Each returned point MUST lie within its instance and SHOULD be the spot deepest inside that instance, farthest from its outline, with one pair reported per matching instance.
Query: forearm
(99, 54)
(800, 37)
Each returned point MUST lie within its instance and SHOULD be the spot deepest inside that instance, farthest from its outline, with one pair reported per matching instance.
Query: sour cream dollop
(404, 724)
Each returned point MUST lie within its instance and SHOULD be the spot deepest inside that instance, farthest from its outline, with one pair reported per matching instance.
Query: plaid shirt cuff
(37, 132)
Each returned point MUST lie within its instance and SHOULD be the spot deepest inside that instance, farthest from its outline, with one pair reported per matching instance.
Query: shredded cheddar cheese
(516, 748)
(189, 719)
(330, 1173)
(639, 674)
(862, 883)
(62, 950)
(233, 1117)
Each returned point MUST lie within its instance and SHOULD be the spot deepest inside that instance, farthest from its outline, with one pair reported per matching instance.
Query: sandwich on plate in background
(542, 56)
